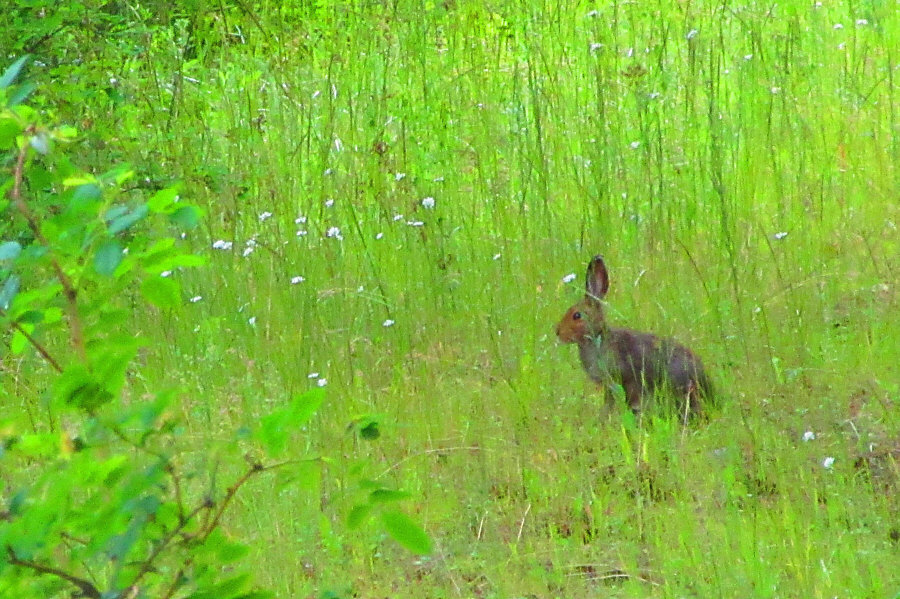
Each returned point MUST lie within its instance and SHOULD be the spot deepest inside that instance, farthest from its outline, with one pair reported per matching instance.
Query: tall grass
(735, 164)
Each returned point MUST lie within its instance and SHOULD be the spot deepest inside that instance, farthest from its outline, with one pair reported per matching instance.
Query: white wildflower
(251, 321)
(497, 256)
(166, 273)
(334, 232)
(301, 233)
(862, 22)
(596, 47)
(428, 202)
(379, 235)
(691, 34)
(415, 223)
(397, 217)
(809, 436)
(780, 235)
(196, 299)
(221, 244)
(312, 375)
(838, 26)
(635, 145)
(297, 279)
(398, 176)
(748, 57)
(329, 203)
(264, 216)
(388, 323)
(828, 462)
(569, 278)
(322, 382)
(300, 220)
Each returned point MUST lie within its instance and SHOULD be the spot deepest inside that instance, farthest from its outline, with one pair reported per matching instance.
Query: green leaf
(10, 74)
(187, 217)
(9, 250)
(387, 496)
(358, 515)
(162, 200)
(276, 427)
(370, 431)
(162, 292)
(20, 93)
(8, 291)
(406, 532)
(108, 257)
(120, 223)
(9, 129)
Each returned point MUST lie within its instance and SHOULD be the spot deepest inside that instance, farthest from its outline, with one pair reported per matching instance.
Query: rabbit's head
(585, 320)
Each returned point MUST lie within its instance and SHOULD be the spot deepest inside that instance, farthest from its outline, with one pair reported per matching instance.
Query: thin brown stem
(86, 587)
(69, 289)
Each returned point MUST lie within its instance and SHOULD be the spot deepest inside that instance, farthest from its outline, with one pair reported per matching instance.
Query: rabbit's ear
(597, 282)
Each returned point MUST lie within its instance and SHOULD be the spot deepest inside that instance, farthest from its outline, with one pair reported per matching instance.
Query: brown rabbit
(641, 362)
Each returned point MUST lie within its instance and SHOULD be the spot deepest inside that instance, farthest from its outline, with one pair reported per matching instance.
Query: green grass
(545, 133)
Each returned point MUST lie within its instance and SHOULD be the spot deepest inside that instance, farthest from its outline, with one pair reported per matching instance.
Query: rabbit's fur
(641, 362)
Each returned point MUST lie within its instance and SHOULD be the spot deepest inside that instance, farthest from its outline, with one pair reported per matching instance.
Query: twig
(69, 290)
(229, 495)
(34, 343)
(522, 523)
(86, 587)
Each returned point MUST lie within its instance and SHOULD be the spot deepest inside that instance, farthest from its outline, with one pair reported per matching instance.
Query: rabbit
(641, 362)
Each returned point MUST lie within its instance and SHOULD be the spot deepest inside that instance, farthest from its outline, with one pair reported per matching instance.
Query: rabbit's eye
(576, 316)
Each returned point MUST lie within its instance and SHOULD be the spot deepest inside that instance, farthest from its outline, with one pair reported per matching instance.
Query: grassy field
(401, 189)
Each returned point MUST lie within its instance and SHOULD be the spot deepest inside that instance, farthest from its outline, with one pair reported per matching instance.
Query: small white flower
(322, 382)
(862, 22)
(312, 375)
(838, 26)
(569, 278)
(780, 235)
(379, 235)
(300, 220)
(297, 279)
(415, 223)
(166, 273)
(301, 233)
(748, 57)
(398, 176)
(329, 203)
(593, 13)
(264, 216)
(247, 251)
(316, 94)
(328, 171)
(828, 462)
(221, 244)
(653, 95)
(691, 34)
(388, 323)
(251, 321)
(438, 179)
(397, 217)
(196, 299)
(497, 256)
(596, 47)
(360, 289)
(809, 436)
(841, 46)
(334, 232)
(428, 202)
(775, 90)
(635, 145)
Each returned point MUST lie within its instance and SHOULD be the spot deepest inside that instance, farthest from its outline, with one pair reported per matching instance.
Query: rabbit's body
(642, 363)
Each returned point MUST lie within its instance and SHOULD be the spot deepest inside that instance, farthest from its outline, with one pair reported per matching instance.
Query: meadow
(396, 196)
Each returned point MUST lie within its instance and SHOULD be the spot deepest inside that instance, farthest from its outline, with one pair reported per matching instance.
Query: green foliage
(102, 498)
